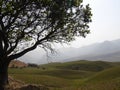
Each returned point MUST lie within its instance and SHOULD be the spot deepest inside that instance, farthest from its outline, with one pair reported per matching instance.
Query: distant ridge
(105, 51)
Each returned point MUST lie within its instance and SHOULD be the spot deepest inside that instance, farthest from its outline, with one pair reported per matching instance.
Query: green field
(77, 75)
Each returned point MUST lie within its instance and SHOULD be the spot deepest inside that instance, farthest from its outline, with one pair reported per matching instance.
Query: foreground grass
(51, 78)
(46, 80)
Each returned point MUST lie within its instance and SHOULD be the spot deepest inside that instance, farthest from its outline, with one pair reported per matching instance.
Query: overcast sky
(105, 22)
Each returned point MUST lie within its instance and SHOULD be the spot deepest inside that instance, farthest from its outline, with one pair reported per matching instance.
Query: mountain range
(105, 51)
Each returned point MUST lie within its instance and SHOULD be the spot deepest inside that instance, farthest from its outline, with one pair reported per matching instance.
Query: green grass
(46, 80)
(81, 65)
(61, 73)
(91, 75)
(106, 75)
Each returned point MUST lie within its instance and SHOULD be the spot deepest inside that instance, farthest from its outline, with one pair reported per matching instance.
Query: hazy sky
(105, 22)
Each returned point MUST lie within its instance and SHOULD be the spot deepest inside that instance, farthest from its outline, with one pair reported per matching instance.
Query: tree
(26, 24)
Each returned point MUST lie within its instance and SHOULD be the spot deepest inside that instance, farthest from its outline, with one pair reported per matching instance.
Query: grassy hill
(106, 75)
(108, 79)
(76, 75)
(81, 65)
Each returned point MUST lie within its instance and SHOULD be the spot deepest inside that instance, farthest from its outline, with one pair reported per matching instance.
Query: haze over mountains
(106, 51)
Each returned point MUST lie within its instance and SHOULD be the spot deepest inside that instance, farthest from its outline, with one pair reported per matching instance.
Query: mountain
(115, 56)
(106, 51)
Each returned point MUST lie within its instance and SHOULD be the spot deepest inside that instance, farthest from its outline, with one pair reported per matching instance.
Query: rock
(19, 85)
(17, 64)
(32, 87)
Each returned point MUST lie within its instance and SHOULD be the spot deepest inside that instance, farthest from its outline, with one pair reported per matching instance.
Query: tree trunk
(3, 75)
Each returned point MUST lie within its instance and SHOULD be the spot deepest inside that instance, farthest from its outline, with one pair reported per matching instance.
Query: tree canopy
(25, 24)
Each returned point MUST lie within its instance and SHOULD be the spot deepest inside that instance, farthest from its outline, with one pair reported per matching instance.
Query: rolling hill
(89, 75)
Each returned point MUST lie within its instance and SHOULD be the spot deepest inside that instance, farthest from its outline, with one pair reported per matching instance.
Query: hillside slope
(89, 75)
(108, 74)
